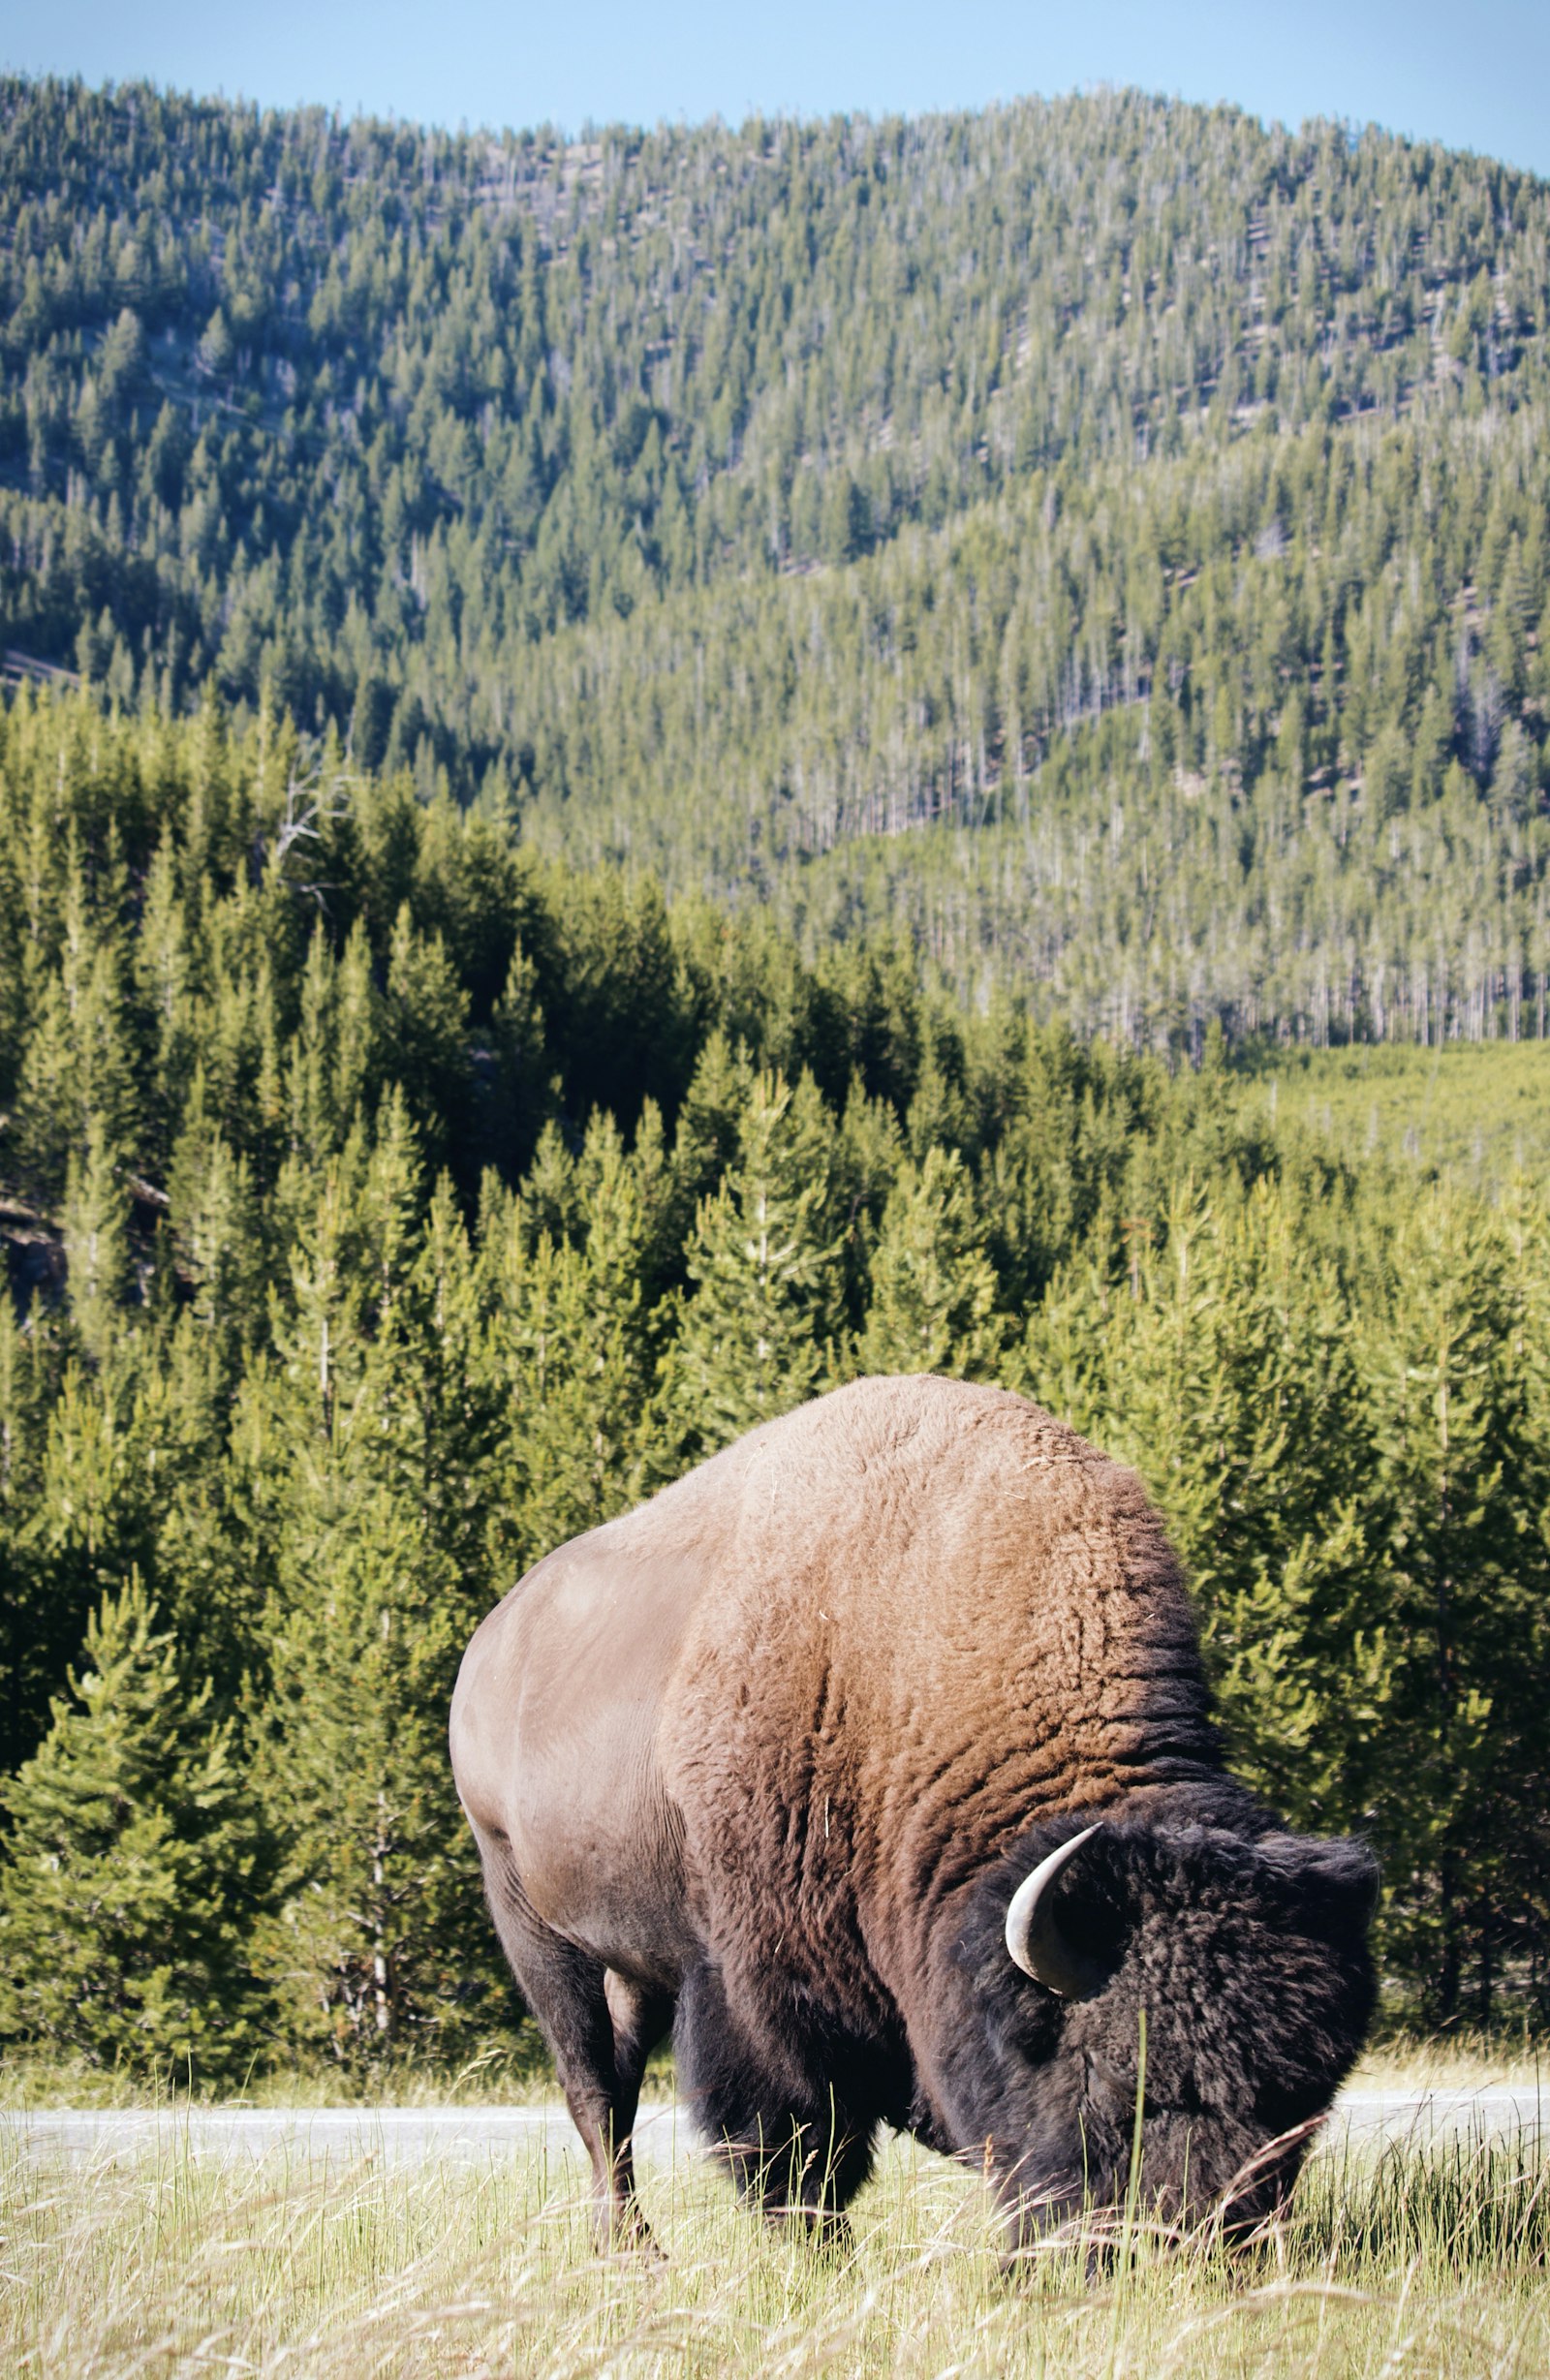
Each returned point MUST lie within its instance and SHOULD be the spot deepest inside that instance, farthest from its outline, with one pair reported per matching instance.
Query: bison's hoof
(624, 2232)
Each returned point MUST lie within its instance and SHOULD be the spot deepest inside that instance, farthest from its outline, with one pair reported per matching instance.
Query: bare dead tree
(313, 803)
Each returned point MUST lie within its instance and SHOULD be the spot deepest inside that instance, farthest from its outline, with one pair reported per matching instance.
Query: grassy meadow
(161, 2266)
(1471, 1111)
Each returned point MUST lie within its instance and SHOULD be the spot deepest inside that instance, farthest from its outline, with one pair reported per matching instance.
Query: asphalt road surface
(477, 2134)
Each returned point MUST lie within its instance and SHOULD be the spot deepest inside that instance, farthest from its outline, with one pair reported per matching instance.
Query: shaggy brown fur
(774, 1750)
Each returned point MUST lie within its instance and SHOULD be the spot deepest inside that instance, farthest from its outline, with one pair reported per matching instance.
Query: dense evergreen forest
(1108, 537)
(384, 1204)
(643, 774)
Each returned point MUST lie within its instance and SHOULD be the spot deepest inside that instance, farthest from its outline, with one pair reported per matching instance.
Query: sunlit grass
(1455, 2061)
(1475, 1111)
(169, 2264)
(512, 2072)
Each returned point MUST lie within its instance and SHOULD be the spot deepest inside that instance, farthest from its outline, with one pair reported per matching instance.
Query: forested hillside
(1107, 537)
(382, 1206)
(690, 752)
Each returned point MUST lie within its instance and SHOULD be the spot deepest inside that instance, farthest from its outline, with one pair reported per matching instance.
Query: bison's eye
(1110, 2095)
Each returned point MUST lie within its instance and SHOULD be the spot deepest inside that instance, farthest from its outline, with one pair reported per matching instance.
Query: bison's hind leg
(639, 2018)
(601, 2028)
(794, 2147)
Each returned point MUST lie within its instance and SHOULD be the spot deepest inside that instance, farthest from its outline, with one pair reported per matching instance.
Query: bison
(874, 1759)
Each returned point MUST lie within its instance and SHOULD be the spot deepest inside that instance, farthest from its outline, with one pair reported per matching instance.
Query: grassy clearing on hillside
(1474, 1111)
(170, 2267)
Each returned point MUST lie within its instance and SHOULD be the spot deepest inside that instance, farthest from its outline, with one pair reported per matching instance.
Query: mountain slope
(1161, 498)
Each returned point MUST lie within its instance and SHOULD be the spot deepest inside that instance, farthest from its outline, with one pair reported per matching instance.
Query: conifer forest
(641, 774)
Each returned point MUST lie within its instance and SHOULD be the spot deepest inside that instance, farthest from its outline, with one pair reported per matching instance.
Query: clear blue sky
(1474, 77)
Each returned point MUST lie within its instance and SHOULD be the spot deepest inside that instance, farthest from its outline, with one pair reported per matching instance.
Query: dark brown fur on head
(1246, 1947)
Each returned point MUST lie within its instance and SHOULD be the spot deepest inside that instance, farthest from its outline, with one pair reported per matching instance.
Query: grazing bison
(873, 1758)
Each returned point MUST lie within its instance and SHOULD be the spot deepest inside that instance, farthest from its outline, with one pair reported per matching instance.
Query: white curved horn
(1035, 1940)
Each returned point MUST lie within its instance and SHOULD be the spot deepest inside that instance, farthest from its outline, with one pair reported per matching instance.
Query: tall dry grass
(1417, 2261)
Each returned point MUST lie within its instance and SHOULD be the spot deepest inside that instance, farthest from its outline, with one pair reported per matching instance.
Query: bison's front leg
(793, 2147)
(804, 2172)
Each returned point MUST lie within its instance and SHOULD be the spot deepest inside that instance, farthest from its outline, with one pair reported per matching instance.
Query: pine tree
(1459, 1492)
(77, 1072)
(765, 1274)
(163, 971)
(521, 1094)
(216, 1223)
(868, 1152)
(425, 1038)
(131, 1869)
(1062, 1361)
(573, 1343)
(376, 1945)
(1247, 1402)
(315, 1125)
(1223, 1367)
(378, 1942)
(96, 1219)
(30, 1658)
(705, 1141)
(933, 1287)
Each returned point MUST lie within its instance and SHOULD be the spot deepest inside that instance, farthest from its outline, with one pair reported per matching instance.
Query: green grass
(168, 2266)
(1454, 2061)
(514, 2072)
(1474, 1111)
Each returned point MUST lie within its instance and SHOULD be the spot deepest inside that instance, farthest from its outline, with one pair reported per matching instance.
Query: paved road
(476, 2135)
(399, 2135)
(1497, 2112)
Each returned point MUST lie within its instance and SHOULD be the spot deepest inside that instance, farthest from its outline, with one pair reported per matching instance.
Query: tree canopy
(639, 774)
(1107, 535)
(382, 1206)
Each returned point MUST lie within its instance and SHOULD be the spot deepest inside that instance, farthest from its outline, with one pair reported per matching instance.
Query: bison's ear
(1336, 1883)
(1061, 1925)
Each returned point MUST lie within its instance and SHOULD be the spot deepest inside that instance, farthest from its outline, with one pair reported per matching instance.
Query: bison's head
(1247, 1953)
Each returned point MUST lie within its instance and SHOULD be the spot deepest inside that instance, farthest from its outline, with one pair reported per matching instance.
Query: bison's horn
(1033, 1936)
